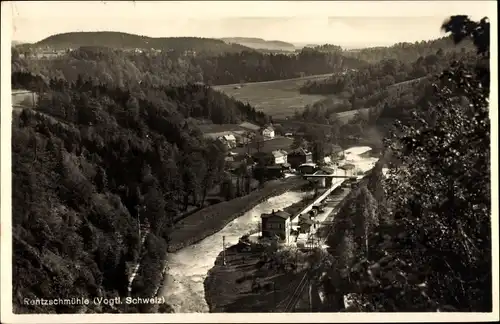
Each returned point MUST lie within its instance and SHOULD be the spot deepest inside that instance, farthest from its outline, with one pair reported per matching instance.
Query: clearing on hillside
(23, 99)
(278, 99)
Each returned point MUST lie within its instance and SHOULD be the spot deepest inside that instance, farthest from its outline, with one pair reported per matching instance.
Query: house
(249, 127)
(229, 140)
(276, 224)
(241, 137)
(298, 157)
(268, 132)
(232, 163)
(280, 157)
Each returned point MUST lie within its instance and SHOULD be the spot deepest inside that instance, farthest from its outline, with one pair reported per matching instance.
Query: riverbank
(227, 289)
(212, 219)
(244, 284)
(187, 268)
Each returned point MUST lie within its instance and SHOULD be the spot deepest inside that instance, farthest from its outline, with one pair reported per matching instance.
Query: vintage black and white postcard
(249, 161)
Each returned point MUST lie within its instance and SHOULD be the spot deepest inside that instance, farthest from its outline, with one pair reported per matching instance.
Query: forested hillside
(259, 43)
(174, 68)
(419, 239)
(118, 40)
(89, 165)
(409, 52)
(383, 92)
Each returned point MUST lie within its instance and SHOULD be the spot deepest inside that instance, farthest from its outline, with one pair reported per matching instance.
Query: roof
(268, 128)
(282, 214)
(277, 153)
(229, 137)
(249, 126)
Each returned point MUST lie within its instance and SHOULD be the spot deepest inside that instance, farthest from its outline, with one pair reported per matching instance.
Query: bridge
(326, 179)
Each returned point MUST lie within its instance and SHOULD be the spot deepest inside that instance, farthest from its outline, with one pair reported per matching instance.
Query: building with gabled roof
(276, 224)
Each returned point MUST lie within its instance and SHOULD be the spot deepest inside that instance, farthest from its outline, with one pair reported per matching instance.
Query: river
(183, 286)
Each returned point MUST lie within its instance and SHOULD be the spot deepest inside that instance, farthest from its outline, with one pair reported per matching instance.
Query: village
(330, 178)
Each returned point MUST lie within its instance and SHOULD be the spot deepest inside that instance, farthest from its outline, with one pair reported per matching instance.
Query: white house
(268, 132)
(229, 140)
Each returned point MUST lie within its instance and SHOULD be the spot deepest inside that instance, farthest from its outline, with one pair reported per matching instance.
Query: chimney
(273, 212)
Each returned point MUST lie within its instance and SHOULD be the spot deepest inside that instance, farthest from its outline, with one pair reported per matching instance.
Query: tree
(441, 207)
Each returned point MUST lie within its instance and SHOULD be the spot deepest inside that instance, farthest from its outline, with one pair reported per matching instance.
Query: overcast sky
(349, 24)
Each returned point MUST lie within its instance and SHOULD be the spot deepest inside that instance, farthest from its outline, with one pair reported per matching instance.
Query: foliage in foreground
(433, 251)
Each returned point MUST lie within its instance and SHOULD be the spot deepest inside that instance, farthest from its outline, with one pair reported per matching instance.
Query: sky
(344, 23)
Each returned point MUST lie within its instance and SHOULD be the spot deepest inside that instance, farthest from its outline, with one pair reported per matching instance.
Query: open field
(278, 143)
(278, 99)
(23, 99)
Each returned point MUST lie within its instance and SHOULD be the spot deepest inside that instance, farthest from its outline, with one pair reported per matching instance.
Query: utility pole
(274, 295)
(310, 295)
(224, 250)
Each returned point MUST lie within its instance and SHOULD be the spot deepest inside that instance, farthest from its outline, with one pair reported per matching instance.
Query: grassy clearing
(23, 99)
(279, 143)
(278, 98)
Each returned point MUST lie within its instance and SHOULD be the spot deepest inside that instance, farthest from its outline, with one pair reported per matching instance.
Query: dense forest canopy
(409, 52)
(175, 68)
(384, 91)
(76, 202)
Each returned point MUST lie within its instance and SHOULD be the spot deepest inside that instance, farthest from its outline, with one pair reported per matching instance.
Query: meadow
(23, 99)
(277, 143)
(279, 99)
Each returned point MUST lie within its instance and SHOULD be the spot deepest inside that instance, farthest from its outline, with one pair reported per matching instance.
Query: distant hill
(129, 41)
(409, 52)
(259, 43)
(302, 45)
